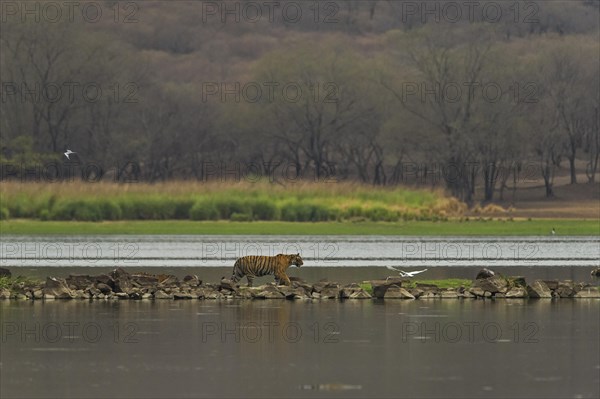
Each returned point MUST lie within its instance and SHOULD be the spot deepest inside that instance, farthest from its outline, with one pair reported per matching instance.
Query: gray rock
(122, 295)
(182, 295)
(565, 289)
(477, 291)
(105, 279)
(291, 292)
(104, 288)
(539, 289)
(192, 280)
(269, 294)
(380, 287)
(147, 295)
(330, 293)
(492, 284)
(449, 294)
(122, 280)
(136, 295)
(58, 288)
(428, 295)
(79, 281)
(362, 294)
(588, 292)
(517, 281)
(227, 284)
(144, 280)
(38, 294)
(395, 292)
(466, 294)
(595, 272)
(484, 273)
(167, 281)
(516, 292)
(160, 294)
(552, 284)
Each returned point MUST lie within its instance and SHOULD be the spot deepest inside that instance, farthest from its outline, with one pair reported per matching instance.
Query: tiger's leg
(282, 279)
(237, 273)
(250, 279)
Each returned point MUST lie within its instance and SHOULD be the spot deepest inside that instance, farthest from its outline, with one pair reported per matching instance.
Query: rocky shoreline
(119, 284)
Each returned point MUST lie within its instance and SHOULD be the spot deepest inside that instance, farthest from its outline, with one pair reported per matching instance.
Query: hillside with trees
(370, 91)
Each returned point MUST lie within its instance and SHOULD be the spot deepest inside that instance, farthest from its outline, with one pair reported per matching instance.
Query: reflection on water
(437, 348)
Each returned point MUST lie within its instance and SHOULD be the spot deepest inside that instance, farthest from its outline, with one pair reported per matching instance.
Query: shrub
(240, 217)
(379, 213)
(204, 210)
(77, 210)
(4, 213)
(229, 206)
(263, 209)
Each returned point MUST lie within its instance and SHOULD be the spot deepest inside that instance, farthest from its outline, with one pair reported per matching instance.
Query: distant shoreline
(486, 226)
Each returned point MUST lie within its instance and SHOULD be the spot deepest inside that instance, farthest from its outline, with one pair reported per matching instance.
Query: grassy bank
(540, 227)
(299, 202)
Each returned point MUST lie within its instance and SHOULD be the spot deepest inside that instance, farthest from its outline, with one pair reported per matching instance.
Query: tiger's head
(296, 260)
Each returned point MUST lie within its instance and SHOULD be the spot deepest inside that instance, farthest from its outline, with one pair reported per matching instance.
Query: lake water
(276, 349)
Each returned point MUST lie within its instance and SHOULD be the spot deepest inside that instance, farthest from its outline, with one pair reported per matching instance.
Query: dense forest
(456, 94)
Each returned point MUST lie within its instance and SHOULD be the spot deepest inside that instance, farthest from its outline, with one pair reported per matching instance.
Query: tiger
(256, 266)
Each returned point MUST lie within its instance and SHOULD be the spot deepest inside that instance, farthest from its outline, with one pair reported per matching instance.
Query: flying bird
(406, 274)
(69, 152)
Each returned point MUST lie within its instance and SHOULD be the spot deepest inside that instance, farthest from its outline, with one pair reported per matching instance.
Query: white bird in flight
(69, 152)
(406, 274)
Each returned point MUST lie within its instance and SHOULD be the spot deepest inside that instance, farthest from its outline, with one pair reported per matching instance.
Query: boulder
(428, 295)
(588, 292)
(330, 293)
(381, 286)
(323, 284)
(517, 281)
(477, 291)
(160, 294)
(516, 292)
(465, 294)
(227, 284)
(269, 294)
(565, 289)
(167, 280)
(5, 272)
(122, 280)
(492, 284)
(58, 288)
(539, 289)
(552, 284)
(395, 292)
(449, 294)
(144, 280)
(594, 273)
(192, 280)
(105, 279)
(416, 292)
(484, 273)
(362, 294)
(79, 281)
(292, 293)
(103, 288)
(182, 295)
